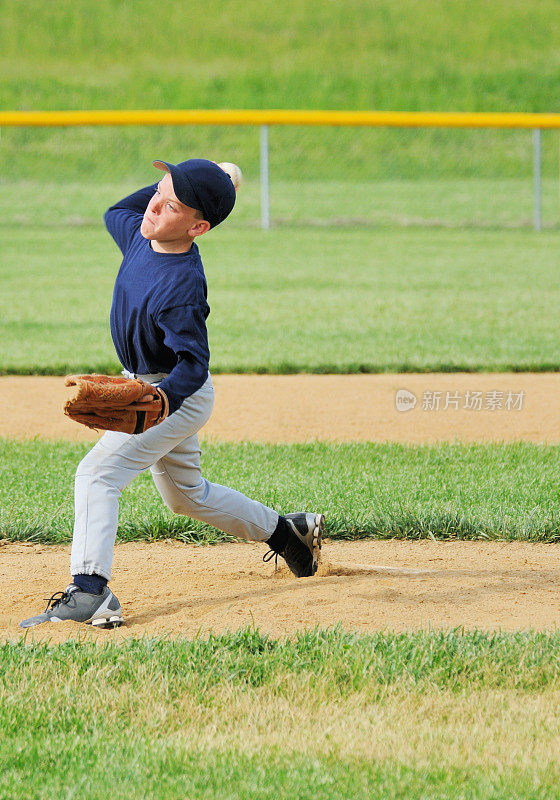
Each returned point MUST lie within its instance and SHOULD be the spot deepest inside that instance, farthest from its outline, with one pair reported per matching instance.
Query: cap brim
(161, 165)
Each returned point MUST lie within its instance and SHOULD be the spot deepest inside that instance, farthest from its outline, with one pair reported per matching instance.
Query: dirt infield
(299, 408)
(176, 589)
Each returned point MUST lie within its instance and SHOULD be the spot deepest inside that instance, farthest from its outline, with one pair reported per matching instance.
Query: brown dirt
(175, 589)
(298, 408)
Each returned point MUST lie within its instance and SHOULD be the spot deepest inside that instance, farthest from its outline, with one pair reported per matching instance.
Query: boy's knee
(185, 500)
(96, 470)
(91, 463)
(177, 506)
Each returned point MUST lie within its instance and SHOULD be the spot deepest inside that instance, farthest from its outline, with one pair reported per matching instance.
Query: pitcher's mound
(174, 589)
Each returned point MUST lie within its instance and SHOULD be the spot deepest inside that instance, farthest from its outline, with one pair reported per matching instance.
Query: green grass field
(302, 53)
(365, 300)
(327, 714)
(366, 490)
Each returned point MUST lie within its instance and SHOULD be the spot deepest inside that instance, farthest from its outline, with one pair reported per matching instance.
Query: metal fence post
(537, 190)
(265, 194)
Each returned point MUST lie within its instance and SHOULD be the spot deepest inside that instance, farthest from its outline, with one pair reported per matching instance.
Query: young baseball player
(158, 325)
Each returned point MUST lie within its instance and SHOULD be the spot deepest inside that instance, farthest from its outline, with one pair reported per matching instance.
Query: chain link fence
(294, 175)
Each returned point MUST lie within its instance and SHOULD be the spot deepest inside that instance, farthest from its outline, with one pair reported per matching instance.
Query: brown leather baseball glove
(113, 403)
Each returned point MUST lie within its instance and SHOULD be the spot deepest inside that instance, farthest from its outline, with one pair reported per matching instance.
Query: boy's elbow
(107, 217)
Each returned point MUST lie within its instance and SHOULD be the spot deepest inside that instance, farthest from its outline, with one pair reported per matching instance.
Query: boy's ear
(199, 227)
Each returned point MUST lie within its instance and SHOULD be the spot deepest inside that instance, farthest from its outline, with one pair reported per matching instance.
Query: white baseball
(233, 171)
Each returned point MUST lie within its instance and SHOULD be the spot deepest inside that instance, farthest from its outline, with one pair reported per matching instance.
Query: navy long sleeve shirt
(159, 309)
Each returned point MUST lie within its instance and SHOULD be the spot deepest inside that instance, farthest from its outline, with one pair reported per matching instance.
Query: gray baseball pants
(171, 451)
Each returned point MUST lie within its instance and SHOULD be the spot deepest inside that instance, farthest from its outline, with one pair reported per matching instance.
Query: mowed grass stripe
(366, 490)
(338, 300)
(326, 713)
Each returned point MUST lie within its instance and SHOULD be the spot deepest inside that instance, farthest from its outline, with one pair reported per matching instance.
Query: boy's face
(167, 220)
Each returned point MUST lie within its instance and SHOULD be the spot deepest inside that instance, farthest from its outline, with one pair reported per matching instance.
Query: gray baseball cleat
(102, 610)
(303, 549)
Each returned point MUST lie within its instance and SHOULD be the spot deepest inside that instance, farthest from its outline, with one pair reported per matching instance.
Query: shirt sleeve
(184, 331)
(125, 217)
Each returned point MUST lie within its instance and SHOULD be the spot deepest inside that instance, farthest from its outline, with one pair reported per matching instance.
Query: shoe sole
(317, 540)
(107, 622)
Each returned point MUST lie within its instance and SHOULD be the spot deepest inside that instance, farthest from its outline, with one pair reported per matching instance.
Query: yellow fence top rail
(421, 119)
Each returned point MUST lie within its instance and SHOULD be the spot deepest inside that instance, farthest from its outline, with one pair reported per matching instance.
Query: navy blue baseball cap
(203, 185)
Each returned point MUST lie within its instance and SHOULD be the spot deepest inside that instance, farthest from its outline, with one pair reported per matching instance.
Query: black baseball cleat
(302, 550)
(101, 610)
